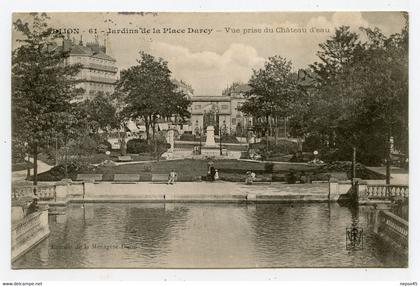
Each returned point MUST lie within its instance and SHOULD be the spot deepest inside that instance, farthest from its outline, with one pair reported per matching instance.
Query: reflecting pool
(197, 235)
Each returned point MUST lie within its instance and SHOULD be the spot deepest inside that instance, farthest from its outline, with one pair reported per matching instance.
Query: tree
(359, 98)
(42, 86)
(149, 93)
(335, 53)
(329, 106)
(273, 90)
(380, 79)
(231, 88)
(100, 113)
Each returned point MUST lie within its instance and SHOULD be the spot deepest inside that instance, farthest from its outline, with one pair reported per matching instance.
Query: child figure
(216, 175)
(172, 177)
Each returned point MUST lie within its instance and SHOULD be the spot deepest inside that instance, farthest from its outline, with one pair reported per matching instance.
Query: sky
(226, 49)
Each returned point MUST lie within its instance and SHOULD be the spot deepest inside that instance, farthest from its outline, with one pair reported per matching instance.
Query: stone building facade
(99, 73)
(221, 112)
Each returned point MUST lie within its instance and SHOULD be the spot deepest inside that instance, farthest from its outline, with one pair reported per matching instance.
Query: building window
(233, 121)
(225, 106)
(197, 107)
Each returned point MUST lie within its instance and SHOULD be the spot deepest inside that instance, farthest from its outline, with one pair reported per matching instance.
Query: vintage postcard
(210, 140)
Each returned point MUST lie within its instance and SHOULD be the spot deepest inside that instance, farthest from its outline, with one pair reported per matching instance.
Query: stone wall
(28, 231)
(339, 190)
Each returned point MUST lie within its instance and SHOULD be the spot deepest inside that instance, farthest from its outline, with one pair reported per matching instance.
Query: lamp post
(354, 164)
(220, 143)
(316, 156)
(200, 139)
(28, 168)
(56, 151)
(222, 132)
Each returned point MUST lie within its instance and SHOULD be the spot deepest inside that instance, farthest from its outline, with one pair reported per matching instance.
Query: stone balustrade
(29, 231)
(388, 190)
(363, 193)
(367, 193)
(392, 228)
(42, 192)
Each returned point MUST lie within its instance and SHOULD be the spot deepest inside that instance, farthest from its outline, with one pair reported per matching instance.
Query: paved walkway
(243, 144)
(399, 176)
(21, 175)
(203, 191)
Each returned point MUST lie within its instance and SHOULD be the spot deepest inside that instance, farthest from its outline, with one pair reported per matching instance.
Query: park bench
(126, 178)
(260, 180)
(188, 178)
(89, 177)
(160, 177)
(124, 158)
(268, 178)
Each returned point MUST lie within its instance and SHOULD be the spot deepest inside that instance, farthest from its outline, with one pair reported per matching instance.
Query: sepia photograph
(209, 140)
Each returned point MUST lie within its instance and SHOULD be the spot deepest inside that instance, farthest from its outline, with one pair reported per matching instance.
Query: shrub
(312, 143)
(108, 163)
(162, 147)
(84, 146)
(291, 177)
(228, 138)
(57, 173)
(137, 146)
(22, 166)
(187, 137)
(346, 167)
(283, 147)
(103, 147)
(321, 177)
(268, 167)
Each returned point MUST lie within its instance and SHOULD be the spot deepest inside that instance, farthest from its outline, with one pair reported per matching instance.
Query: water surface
(196, 235)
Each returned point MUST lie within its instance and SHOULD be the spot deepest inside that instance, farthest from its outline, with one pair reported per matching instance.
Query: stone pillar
(251, 197)
(210, 137)
(44, 220)
(333, 190)
(61, 192)
(361, 191)
(89, 189)
(170, 140)
(17, 213)
(376, 216)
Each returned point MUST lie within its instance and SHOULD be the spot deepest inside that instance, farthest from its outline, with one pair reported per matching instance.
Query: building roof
(80, 50)
(90, 49)
(241, 88)
(103, 56)
(211, 98)
(183, 86)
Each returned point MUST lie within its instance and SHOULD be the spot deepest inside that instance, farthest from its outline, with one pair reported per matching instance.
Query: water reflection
(206, 236)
